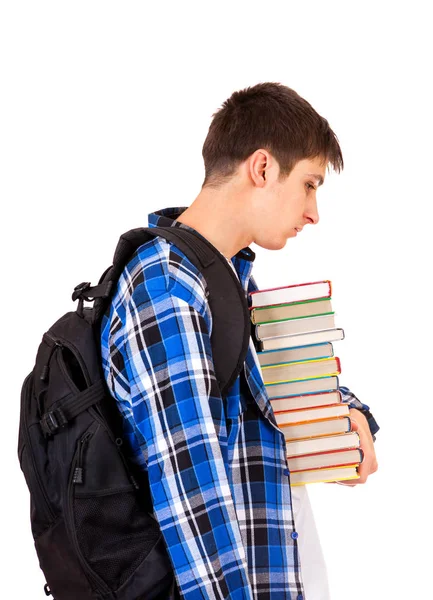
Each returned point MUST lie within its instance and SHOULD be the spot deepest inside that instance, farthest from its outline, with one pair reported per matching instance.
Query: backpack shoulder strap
(228, 304)
(227, 299)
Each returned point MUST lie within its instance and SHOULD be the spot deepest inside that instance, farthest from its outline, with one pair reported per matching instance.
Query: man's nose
(312, 214)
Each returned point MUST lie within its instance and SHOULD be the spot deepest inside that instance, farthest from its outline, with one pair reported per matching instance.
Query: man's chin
(274, 244)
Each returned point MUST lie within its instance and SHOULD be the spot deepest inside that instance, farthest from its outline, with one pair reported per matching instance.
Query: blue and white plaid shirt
(217, 467)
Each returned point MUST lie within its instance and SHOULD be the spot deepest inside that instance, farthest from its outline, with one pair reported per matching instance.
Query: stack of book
(294, 331)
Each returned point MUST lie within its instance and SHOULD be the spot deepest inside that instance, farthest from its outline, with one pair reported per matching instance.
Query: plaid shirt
(217, 467)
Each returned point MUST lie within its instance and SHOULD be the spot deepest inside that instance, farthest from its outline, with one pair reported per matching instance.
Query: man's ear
(259, 163)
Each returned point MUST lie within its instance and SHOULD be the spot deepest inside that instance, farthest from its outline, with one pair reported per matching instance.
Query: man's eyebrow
(318, 178)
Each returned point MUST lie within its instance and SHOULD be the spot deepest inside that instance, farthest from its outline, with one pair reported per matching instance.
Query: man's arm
(354, 402)
(177, 408)
(365, 424)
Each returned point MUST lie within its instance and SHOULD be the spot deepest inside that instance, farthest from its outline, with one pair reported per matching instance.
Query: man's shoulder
(158, 267)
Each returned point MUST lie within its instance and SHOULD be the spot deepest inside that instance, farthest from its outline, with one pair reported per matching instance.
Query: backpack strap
(227, 299)
(231, 320)
(71, 407)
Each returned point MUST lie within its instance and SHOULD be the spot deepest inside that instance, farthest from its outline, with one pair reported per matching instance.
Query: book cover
(323, 444)
(303, 339)
(297, 354)
(292, 310)
(311, 369)
(316, 429)
(291, 293)
(316, 413)
(304, 401)
(297, 388)
(295, 326)
(324, 475)
(336, 458)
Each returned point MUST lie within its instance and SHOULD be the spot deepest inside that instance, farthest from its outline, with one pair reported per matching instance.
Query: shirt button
(294, 535)
(299, 597)
(286, 472)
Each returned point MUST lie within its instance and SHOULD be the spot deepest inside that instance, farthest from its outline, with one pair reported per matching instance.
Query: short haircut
(270, 116)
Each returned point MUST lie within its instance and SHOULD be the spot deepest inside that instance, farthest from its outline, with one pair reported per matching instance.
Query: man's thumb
(354, 424)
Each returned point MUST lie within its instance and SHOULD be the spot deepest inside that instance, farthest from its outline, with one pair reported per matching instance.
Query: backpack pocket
(58, 560)
(41, 511)
(110, 533)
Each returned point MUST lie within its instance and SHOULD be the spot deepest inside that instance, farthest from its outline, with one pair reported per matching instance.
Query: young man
(217, 466)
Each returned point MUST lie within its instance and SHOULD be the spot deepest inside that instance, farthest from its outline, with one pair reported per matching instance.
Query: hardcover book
(302, 339)
(294, 326)
(307, 386)
(324, 475)
(322, 367)
(291, 293)
(323, 444)
(273, 357)
(316, 429)
(278, 312)
(293, 403)
(336, 458)
(317, 413)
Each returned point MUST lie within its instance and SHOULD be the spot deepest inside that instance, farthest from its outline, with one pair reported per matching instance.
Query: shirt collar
(242, 261)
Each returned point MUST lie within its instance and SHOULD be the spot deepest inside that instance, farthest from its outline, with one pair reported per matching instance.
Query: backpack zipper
(77, 463)
(49, 514)
(118, 442)
(79, 469)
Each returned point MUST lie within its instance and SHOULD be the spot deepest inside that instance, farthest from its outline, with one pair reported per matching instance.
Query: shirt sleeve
(252, 285)
(178, 410)
(354, 402)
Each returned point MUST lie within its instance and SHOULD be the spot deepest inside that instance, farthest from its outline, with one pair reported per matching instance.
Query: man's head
(269, 146)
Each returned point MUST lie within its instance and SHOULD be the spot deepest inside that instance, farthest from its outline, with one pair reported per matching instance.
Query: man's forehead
(316, 169)
(312, 167)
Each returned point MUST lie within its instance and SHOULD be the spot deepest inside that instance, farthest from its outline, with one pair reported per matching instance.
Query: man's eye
(310, 186)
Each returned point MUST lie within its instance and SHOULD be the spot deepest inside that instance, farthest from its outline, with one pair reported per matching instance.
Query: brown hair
(270, 116)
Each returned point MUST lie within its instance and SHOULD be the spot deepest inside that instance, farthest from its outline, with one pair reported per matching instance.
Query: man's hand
(369, 464)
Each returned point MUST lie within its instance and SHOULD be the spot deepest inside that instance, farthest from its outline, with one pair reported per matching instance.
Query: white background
(104, 110)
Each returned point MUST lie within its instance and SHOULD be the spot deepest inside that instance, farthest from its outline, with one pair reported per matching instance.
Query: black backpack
(91, 510)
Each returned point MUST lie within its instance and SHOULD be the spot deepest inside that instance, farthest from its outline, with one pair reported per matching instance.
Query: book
(324, 475)
(327, 427)
(306, 386)
(323, 444)
(295, 326)
(336, 458)
(291, 293)
(305, 401)
(309, 369)
(316, 413)
(273, 357)
(279, 312)
(302, 339)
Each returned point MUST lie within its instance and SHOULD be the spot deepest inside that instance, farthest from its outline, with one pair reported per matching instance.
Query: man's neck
(220, 217)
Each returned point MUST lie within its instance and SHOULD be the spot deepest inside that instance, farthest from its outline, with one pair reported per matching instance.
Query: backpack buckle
(79, 289)
(52, 421)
